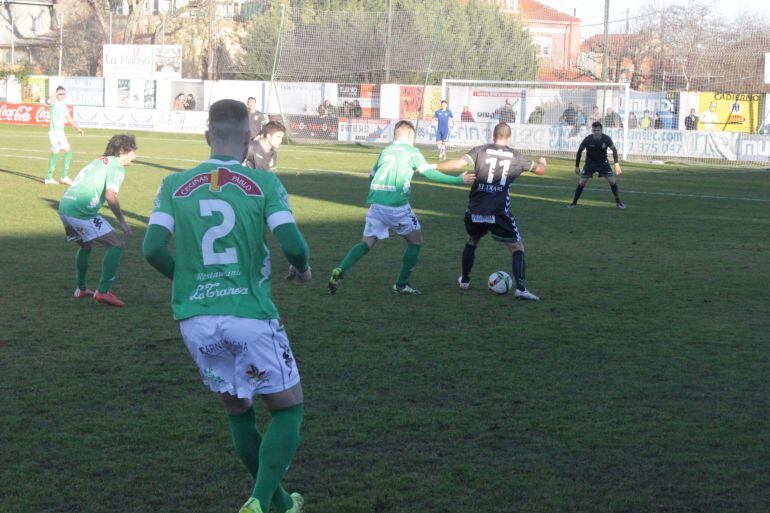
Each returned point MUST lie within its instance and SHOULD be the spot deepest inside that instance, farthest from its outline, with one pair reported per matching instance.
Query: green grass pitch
(638, 384)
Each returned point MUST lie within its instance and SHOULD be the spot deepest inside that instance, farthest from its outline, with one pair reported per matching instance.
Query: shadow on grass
(160, 166)
(22, 175)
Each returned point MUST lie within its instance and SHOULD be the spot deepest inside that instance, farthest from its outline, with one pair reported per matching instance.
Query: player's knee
(516, 246)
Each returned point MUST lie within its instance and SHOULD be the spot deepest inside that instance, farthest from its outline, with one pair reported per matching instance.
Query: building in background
(27, 27)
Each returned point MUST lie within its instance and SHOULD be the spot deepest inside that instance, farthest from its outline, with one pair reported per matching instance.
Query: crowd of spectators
(182, 102)
(348, 109)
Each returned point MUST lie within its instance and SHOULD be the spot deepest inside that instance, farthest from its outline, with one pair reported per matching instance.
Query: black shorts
(603, 168)
(501, 226)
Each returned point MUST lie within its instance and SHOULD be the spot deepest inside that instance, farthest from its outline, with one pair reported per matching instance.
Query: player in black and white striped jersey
(496, 165)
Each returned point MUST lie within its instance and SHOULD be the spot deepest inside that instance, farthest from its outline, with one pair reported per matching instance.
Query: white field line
(532, 186)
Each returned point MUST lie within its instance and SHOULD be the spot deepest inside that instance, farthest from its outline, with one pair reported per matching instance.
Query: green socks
(110, 265)
(276, 451)
(67, 160)
(52, 165)
(246, 440)
(81, 266)
(408, 263)
(355, 254)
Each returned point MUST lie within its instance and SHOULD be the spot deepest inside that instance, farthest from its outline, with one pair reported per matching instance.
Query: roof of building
(532, 10)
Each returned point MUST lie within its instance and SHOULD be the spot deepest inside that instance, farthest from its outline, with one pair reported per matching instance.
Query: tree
(347, 41)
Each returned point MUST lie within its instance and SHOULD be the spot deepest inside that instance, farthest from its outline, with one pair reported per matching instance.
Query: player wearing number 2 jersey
(496, 166)
(389, 209)
(217, 212)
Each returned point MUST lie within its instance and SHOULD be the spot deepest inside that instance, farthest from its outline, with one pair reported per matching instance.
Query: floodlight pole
(13, 39)
(61, 39)
(387, 42)
(275, 63)
(605, 53)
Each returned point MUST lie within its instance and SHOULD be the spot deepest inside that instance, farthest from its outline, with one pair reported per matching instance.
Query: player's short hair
(501, 131)
(443, 102)
(251, 98)
(273, 127)
(60, 88)
(596, 124)
(120, 144)
(227, 118)
(401, 126)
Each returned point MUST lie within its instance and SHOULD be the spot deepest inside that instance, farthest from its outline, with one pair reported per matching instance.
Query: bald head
(228, 132)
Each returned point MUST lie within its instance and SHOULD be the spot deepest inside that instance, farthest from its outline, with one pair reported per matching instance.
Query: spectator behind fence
(179, 102)
(358, 112)
(612, 119)
(536, 116)
(596, 115)
(466, 115)
(691, 121)
(657, 123)
(632, 121)
(569, 115)
(326, 109)
(580, 117)
(646, 121)
(506, 114)
(189, 103)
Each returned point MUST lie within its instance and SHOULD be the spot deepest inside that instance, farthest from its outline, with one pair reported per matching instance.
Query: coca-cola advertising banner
(18, 114)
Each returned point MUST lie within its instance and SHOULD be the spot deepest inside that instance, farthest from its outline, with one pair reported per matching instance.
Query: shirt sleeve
(419, 163)
(472, 155)
(115, 175)
(162, 208)
(277, 209)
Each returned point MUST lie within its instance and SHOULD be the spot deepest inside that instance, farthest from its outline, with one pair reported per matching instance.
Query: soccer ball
(499, 282)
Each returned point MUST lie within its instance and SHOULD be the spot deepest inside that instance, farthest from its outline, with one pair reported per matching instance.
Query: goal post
(545, 117)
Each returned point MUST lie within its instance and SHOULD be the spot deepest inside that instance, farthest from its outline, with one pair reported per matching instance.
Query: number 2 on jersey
(492, 163)
(229, 255)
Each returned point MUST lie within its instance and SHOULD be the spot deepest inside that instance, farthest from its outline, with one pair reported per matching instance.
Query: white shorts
(85, 230)
(380, 219)
(58, 141)
(244, 357)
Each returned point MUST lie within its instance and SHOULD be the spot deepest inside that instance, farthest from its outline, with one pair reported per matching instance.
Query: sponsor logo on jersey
(217, 179)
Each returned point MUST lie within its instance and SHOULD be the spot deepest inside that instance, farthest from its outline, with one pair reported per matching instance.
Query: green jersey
(85, 196)
(391, 175)
(58, 115)
(217, 212)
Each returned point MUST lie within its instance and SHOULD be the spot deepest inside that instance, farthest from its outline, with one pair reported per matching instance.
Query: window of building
(542, 46)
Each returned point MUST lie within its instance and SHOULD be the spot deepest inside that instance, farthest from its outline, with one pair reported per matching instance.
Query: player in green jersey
(389, 209)
(58, 139)
(79, 208)
(217, 213)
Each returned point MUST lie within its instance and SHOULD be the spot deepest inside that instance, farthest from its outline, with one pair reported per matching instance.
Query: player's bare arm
(73, 124)
(455, 164)
(112, 201)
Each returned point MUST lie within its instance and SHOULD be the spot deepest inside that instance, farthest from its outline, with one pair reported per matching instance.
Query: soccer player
(389, 209)
(57, 137)
(79, 212)
(496, 166)
(217, 212)
(262, 150)
(256, 119)
(596, 146)
(443, 117)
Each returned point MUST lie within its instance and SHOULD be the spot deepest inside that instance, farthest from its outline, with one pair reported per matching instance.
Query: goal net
(548, 118)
